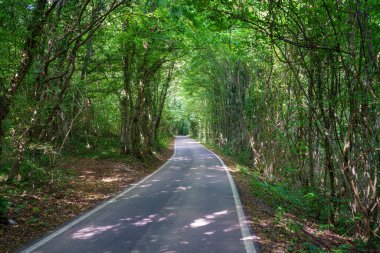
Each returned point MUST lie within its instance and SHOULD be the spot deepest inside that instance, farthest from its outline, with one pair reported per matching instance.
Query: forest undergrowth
(83, 179)
(287, 219)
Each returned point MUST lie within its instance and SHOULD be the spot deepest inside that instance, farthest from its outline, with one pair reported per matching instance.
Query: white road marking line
(249, 246)
(88, 214)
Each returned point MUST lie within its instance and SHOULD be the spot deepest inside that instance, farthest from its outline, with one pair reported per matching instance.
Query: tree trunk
(156, 124)
(124, 135)
(1, 141)
(310, 139)
(128, 53)
(135, 123)
(17, 163)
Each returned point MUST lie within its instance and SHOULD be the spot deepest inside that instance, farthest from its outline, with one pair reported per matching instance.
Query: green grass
(106, 147)
(308, 204)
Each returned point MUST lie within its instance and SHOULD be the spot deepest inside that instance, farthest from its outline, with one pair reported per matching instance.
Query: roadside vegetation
(286, 220)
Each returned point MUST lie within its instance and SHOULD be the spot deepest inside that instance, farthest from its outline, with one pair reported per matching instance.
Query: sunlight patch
(232, 228)
(145, 185)
(250, 238)
(145, 221)
(89, 232)
(182, 188)
(110, 179)
(200, 223)
(216, 214)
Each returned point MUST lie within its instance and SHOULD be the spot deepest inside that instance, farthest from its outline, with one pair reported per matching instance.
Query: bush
(4, 204)
(281, 196)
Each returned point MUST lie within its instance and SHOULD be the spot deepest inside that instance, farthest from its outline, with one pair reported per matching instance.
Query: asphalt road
(189, 205)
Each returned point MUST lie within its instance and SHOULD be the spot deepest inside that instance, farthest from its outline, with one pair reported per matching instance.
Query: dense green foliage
(79, 73)
(291, 88)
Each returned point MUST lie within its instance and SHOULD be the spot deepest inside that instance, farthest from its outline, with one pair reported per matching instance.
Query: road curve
(189, 205)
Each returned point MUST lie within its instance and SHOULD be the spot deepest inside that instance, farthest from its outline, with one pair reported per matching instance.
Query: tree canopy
(290, 88)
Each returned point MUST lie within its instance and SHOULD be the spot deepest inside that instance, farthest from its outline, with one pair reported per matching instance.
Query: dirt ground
(38, 211)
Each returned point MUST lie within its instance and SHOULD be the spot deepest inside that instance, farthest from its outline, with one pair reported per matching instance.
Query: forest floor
(38, 210)
(284, 231)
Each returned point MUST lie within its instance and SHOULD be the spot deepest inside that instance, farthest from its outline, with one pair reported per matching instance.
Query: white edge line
(86, 215)
(249, 246)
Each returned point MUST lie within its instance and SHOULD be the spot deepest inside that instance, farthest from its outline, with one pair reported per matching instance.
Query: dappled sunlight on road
(232, 228)
(186, 207)
(91, 231)
(208, 227)
(251, 238)
(181, 158)
(214, 215)
(145, 221)
(145, 185)
(182, 188)
(208, 219)
(94, 231)
(130, 197)
(200, 223)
